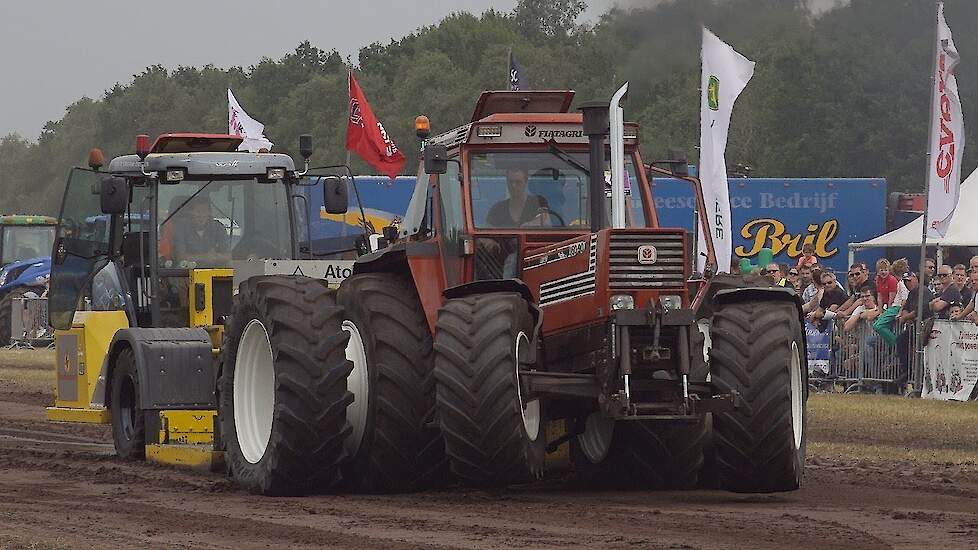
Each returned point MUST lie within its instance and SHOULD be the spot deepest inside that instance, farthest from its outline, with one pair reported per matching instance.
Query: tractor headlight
(42, 279)
(622, 301)
(275, 173)
(3, 277)
(174, 175)
(671, 302)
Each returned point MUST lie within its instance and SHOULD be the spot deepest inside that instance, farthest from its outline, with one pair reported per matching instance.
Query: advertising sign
(784, 214)
(819, 344)
(951, 361)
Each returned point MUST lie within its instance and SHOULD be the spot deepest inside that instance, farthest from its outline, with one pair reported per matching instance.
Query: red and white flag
(946, 145)
(365, 135)
(251, 131)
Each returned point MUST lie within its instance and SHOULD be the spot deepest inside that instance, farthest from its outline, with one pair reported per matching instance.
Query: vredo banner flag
(946, 145)
(366, 136)
(725, 74)
(251, 131)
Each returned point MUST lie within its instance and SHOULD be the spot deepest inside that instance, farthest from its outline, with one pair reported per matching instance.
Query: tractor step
(86, 416)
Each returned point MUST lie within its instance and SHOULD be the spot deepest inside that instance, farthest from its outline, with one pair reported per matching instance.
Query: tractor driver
(521, 209)
(198, 237)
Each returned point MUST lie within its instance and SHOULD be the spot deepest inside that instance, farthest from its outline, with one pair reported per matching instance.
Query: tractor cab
(25, 237)
(157, 222)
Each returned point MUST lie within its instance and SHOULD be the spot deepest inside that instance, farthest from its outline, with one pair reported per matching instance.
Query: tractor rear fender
(773, 293)
(175, 366)
(489, 286)
(421, 261)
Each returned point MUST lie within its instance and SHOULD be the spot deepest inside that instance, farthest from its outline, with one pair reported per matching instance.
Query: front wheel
(128, 422)
(758, 351)
(493, 435)
(283, 395)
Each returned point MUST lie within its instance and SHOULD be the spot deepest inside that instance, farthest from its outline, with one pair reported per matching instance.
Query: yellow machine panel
(80, 352)
(201, 288)
(186, 439)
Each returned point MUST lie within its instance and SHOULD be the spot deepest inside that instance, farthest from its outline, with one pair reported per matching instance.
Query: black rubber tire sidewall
(134, 447)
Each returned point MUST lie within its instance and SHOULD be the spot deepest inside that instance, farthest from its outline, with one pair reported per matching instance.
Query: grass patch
(27, 370)
(888, 427)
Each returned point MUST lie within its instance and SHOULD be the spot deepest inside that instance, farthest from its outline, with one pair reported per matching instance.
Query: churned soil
(899, 475)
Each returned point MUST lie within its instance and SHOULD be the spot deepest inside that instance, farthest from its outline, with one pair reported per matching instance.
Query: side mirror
(679, 163)
(114, 195)
(335, 196)
(435, 159)
(305, 146)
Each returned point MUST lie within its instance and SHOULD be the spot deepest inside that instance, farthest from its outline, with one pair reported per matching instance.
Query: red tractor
(517, 311)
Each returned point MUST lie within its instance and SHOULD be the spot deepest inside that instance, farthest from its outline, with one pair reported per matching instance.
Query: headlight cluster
(622, 301)
(670, 302)
(3, 278)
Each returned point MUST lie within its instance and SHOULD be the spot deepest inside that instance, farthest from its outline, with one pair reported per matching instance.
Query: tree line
(842, 93)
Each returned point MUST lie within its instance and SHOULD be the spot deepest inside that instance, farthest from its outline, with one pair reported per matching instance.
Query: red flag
(365, 135)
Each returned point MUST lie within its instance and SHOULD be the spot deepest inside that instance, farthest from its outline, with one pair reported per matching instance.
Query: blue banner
(784, 214)
(819, 346)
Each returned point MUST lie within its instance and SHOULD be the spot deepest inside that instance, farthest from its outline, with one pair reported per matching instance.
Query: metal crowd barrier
(29, 323)
(859, 360)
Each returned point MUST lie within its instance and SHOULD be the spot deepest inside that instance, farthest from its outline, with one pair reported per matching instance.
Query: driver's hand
(542, 219)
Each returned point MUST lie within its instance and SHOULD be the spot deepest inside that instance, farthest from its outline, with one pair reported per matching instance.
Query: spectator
(949, 293)
(891, 308)
(773, 272)
(857, 277)
(908, 313)
(973, 263)
(804, 276)
(960, 277)
(955, 310)
(886, 283)
(793, 279)
(865, 310)
(812, 293)
(969, 309)
(807, 256)
(832, 297)
(929, 270)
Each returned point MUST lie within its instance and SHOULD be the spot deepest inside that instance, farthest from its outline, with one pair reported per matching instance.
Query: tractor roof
(27, 219)
(524, 118)
(201, 155)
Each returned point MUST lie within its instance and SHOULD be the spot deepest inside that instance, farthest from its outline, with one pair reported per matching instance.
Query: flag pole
(509, 65)
(919, 321)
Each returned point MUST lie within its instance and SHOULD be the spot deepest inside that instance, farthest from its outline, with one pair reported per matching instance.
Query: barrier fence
(29, 323)
(860, 359)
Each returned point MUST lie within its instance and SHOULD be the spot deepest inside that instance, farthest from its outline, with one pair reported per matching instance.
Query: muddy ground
(882, 473)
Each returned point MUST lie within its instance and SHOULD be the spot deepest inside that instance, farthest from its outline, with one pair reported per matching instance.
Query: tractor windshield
(541, 189)
(23, 242)
(210, 223)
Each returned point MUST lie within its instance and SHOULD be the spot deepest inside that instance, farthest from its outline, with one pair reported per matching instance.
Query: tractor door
(81, 246)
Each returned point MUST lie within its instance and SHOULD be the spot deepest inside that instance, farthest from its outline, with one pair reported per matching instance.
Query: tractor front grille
(626, 271)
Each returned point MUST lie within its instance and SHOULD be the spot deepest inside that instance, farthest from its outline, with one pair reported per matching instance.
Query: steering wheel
(545, 210)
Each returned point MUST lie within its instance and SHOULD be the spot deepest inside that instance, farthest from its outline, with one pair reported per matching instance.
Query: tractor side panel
(564, 280)
(429, 280)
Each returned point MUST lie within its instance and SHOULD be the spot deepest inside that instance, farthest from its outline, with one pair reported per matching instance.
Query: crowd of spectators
(885, 300)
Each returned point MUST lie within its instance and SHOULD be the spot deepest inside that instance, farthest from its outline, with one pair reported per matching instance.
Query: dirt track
(60, 487)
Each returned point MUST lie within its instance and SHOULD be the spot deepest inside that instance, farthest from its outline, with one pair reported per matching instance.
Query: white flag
(946, 145)
(725, 74)
(240, 124)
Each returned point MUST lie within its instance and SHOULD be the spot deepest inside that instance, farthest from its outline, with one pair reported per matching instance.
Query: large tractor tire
(492, 436)
(283, 395)
(759, 351)
(128, 420)
(645, 454)
(395, 445)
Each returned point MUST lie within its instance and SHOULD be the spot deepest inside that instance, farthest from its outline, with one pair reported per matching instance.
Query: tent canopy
(962, 231)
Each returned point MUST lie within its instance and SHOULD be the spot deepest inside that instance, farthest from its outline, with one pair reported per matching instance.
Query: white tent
(963, 230)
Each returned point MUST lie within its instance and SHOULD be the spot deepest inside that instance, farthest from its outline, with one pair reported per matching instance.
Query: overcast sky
(55, 51)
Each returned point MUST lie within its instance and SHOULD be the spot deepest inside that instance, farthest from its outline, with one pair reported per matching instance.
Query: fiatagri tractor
(527, 314)
(24, 240)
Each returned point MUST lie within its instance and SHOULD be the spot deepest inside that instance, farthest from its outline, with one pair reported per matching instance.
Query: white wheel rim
(596, 439)
(797, 395)
(358, 383)
(254, 391)
(529, 410)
